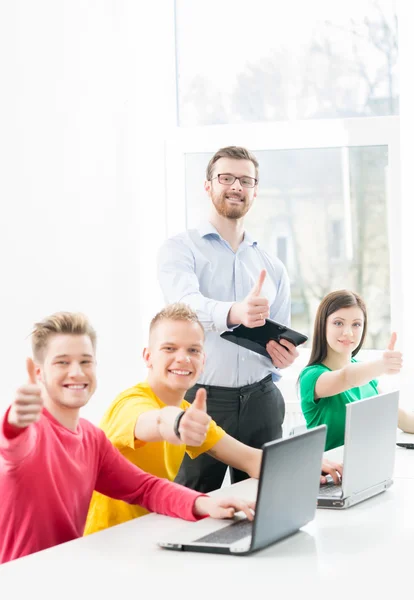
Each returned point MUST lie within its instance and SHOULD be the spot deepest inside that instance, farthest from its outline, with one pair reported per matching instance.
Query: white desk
(404, 463)
(371, 543)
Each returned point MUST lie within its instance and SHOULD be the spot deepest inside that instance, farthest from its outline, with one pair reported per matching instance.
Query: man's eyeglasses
(227, 179)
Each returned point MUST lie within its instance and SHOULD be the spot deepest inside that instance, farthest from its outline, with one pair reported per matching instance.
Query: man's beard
(230, 211)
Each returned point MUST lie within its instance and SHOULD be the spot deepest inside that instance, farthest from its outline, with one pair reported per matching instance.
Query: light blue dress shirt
(198, 267)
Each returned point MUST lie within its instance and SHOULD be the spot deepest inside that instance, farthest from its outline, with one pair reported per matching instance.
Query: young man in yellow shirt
(153, 426)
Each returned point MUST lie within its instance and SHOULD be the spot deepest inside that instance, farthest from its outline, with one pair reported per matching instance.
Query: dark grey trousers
(252, 414)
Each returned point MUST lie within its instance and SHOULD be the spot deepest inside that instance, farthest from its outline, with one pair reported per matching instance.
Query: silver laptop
(369, 452)
(286, 500)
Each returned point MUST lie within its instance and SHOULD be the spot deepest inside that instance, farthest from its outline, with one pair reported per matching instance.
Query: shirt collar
(206, 228)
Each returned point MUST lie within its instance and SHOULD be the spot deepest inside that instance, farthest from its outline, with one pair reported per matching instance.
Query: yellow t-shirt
(159, 458)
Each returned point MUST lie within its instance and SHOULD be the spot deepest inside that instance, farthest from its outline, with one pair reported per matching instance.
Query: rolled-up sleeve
(179, 283)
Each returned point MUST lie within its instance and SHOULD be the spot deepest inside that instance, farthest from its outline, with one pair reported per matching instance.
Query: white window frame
(329, 133)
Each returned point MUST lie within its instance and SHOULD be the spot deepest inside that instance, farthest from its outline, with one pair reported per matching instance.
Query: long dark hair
(330, 304)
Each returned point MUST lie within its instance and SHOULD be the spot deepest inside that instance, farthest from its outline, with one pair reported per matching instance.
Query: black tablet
(256, 338)
(408, 445)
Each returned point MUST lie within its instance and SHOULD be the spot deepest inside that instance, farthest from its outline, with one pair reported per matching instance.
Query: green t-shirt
(329, 411)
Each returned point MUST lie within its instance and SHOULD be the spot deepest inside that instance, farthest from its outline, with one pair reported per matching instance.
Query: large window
(241, 61)
(323, 212)
(312, 90)
(327, 206)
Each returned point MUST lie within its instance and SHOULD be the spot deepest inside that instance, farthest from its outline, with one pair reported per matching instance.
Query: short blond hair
(235, 152)
(60, 322)
(176, 312)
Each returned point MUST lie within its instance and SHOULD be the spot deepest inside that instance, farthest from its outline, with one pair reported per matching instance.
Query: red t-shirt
(48, 474)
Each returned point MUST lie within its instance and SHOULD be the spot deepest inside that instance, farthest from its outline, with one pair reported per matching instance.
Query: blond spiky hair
(176, 312)
(60, 322)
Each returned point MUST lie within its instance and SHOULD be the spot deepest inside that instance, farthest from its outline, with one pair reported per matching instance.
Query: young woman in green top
(333, 377)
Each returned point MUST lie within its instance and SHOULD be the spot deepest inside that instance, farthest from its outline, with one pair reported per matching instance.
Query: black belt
(241, 390)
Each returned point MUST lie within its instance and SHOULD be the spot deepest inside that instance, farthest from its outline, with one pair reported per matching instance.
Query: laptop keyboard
(330, 489)
(227, 535)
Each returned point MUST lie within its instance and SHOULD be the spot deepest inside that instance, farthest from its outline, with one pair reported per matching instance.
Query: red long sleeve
(120, 479)
(48, 474)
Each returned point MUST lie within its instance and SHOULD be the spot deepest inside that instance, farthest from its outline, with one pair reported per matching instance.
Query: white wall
(406, 44)
(87, 90)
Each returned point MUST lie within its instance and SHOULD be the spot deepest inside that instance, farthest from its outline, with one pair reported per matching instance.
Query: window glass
(323, 212)
(239, 61)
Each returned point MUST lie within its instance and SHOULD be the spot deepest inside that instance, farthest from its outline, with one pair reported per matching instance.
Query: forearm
(120, 479)
(405, 420)
(157, 425)
(357, 374)
(353, 375)
(167, 498)
(237, 455)
(212, 314)
(234, 317)
(251, 462)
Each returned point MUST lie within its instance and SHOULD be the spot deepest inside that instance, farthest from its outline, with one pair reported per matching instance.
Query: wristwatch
(177, 424)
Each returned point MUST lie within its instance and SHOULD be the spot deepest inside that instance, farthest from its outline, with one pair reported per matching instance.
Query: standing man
(225, 276)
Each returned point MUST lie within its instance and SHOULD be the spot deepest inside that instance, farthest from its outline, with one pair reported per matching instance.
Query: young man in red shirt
(51, 460)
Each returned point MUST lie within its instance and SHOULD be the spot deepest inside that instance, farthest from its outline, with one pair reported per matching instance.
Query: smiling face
(175, 356)
(231, 201)
(344, 329)
(68, 370)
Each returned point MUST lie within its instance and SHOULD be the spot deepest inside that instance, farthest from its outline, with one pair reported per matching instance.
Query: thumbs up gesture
(194, 424)
(257, 288)
(391, 358)
(253, 310)
(27, 405)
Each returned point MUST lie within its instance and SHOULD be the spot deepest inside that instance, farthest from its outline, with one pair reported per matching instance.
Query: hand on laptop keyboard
(222, 508)
(332, 469)
(227, 535)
